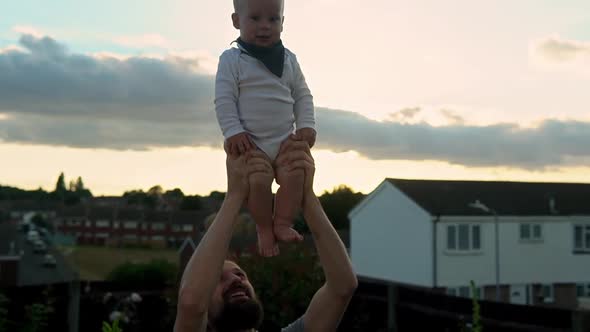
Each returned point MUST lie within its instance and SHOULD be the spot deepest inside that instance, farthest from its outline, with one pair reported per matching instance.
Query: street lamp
(481, 206)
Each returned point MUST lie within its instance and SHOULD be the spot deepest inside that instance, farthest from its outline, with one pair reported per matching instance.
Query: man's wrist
(234, 197)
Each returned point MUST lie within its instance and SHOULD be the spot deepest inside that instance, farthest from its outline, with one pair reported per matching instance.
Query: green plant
(106, 327)
(476, 319)
(285, 284)
(37, 317)
(38, 314)
(154, 274)
(3, 313)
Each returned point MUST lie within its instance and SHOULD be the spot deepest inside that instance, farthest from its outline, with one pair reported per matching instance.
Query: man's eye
(254, 18)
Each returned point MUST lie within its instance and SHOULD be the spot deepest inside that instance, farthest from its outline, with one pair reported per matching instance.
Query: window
(130, 225)
(176, 228)
(158, 226)
(547, 291)
(88, 223)
(531, 232)
(102, 224)
(583, 290)
(582, 238)
(116, 224)
(73, 222)
(464, 237)
(157, 238)
(464, 291)
(187, 228)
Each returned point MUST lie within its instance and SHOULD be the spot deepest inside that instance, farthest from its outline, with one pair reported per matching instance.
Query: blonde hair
(239, 5)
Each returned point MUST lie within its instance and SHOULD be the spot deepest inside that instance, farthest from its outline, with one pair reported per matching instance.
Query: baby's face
(260, 21)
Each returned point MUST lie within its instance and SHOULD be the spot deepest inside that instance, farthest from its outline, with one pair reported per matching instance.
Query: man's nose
(234, 279)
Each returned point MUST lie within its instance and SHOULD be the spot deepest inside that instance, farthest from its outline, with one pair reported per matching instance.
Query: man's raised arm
(203, 270)
(330, 302)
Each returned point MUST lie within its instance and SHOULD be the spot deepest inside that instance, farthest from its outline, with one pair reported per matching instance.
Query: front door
(518, 294)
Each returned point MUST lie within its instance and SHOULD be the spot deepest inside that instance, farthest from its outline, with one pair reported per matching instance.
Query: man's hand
(306, 134)
(239, 144)
(295, 154)
(239, 169)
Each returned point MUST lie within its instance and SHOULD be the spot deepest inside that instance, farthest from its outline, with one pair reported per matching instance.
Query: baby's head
(260, 21)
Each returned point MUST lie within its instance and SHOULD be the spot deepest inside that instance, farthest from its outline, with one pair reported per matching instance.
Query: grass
(95, 263)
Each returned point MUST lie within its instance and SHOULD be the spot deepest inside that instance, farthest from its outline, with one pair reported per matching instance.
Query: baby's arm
(226, 104)
(303, 108)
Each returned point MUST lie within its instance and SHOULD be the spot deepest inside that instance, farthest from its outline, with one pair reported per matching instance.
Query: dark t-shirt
(296, 326)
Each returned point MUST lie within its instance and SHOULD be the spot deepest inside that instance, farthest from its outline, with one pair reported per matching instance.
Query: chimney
(552, 208)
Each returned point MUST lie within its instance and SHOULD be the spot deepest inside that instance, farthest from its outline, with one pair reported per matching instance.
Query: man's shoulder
(296, 326)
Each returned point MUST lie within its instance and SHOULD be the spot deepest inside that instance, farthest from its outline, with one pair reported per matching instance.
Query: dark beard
(242, 315)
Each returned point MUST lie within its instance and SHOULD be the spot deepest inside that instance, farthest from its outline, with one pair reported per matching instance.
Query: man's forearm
(202, 272)
(340, 277)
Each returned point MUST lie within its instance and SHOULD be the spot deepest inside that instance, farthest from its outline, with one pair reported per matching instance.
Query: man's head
(260, 21)
(234, 305)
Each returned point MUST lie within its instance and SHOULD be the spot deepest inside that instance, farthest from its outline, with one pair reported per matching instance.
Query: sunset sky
(121, 92)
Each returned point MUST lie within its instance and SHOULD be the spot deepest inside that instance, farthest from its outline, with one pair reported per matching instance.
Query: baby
(260, 99)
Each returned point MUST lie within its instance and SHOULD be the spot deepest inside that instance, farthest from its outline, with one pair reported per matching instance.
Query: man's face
(234, 305)
(260, 21)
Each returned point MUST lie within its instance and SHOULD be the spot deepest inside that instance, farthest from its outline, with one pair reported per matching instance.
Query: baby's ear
(236, 20)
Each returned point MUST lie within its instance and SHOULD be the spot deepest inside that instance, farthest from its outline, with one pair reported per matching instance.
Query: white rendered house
(442, 235)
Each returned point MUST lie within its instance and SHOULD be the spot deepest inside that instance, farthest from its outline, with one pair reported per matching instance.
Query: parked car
(39, 247)
(49, 261)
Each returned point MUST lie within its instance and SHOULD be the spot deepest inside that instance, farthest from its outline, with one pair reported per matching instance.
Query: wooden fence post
(392, 300)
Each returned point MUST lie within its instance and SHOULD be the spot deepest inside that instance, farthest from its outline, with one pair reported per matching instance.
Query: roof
(187, 243)
(440, 197)
(31, 269)
(30, 205)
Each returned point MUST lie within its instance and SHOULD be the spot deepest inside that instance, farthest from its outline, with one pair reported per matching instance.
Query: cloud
(405, 114)
(557, 49)
(27, 30)
(452, 116)
(548, 144)
(557, 53)
(51, 96)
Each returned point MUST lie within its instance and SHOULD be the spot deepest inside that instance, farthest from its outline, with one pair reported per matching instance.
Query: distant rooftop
(440, 197)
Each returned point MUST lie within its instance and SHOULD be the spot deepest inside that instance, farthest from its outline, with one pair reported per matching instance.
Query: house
(102, 225)
(442, 235)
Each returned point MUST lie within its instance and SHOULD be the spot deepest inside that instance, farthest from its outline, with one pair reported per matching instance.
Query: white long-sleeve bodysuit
(249, 98)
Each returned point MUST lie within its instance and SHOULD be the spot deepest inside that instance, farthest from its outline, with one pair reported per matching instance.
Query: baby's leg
(260, 207)
(288, 201)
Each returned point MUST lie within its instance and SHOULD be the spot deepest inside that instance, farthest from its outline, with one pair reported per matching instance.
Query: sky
(121, 92)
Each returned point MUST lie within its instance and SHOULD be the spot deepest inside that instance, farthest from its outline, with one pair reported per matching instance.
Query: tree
(138, 197)
(39, 221)
(60, 186)
(217, 195)
(338, 204)
(156, 191)
(191, 203)
(151, 275)
(174, 193)
(285, 284)
(79, 186)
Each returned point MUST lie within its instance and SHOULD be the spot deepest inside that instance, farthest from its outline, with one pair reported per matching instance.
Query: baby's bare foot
(284, 233)
(267, 245)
